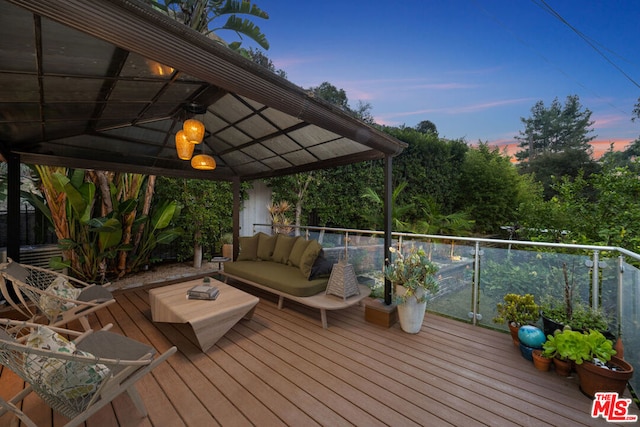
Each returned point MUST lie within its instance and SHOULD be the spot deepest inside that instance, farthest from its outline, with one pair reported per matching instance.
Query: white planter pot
(411, 313)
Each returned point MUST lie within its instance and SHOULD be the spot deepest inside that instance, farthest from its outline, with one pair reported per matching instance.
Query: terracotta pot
(513, 329)
(595, 378)
(563, 367)
(540, 362)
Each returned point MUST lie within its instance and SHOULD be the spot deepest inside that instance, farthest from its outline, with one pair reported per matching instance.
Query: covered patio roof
(104, 85)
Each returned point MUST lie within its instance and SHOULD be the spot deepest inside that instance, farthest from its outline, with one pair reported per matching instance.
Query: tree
(261, 58)
(332, 95)
(547, 167)
(206, 212)
(430, 165)
(427, 126)
(491, 188)
(202, 15)
(294, 189)
(555, 129)
(600, 210)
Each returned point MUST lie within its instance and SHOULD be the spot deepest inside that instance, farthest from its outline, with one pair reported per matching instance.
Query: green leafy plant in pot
(597, 366)
(413, 277)
(517, 310)
(557, 347)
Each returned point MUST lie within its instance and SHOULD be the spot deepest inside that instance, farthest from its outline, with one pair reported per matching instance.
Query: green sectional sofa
(291, 267)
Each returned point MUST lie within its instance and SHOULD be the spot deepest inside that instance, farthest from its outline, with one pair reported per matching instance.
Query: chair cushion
(95, 293)
(295, 256)
(51, 304)
(283, 248)
(69, 378)
(248, 248)
(266, 244)
(17, 271)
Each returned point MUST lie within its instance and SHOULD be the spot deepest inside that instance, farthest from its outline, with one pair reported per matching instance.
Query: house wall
(254, 209)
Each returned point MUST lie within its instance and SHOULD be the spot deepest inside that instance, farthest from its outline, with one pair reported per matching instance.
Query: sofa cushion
(321, 268)
(283, 248)
(297, 251)
(281, 277)
(266, 244)
(309, 256)
(248, 248)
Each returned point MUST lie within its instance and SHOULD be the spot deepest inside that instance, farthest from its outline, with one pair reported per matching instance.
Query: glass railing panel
(455, 276)
(548, 276)
(630, 319)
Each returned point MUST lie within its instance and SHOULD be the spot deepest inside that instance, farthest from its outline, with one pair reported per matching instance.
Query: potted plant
(517, 310)
(540, 360)
(413, 277)
(594, 356)
(579, 317)
(557, 348)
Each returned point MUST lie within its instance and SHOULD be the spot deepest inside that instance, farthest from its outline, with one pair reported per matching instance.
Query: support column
(236, 217)
(388, 191)
(13, 206)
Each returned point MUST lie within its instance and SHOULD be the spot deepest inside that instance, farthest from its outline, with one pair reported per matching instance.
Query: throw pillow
(69, 378)
(321, 268)
(309, 257)
(52, 304)
(248, 248)
(283, 248)
(297, 251)
(266, 244)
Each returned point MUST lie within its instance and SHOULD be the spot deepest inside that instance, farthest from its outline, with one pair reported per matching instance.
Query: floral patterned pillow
(68, 378)
(52, 306)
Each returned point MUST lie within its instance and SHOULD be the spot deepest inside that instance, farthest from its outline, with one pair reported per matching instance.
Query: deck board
(282, 368)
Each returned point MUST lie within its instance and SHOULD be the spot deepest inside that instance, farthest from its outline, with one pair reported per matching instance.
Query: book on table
(207, 292)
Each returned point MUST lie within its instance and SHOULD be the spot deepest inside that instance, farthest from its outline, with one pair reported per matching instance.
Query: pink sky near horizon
(599, 146)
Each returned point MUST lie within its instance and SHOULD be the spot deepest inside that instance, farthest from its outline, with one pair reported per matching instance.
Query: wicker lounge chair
(75, 378)
(38, 292)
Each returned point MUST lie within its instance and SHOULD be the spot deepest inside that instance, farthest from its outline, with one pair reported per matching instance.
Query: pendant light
(184, 147)
(203, 162)
(193, 130)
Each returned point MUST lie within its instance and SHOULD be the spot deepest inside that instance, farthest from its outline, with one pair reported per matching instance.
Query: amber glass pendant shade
(203, 162)
(194, 130)
(183, 146)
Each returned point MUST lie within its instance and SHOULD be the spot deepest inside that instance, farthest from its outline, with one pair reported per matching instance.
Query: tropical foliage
(204, 16)
(102, 220)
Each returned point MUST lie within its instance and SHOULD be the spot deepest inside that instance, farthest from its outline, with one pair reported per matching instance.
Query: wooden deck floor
(282, 368)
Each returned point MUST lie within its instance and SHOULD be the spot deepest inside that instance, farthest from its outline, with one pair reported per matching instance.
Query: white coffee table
(210, 320)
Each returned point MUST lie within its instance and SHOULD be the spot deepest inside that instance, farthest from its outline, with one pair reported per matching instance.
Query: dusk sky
(472, 67)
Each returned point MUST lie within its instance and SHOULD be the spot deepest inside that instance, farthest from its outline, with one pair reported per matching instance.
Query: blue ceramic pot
(531, 336)
(527, 352)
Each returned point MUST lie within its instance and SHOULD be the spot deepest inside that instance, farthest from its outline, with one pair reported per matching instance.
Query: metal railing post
(476, 284)
(595, 281)
(619, 299)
